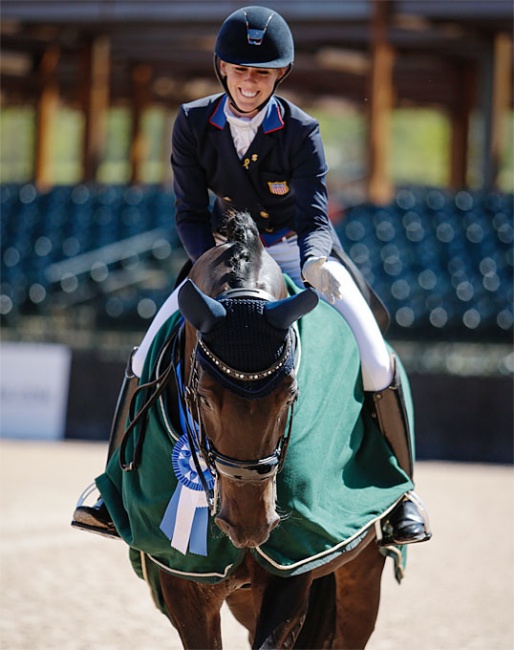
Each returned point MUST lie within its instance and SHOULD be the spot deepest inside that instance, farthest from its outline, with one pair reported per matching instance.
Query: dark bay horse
(241, 386)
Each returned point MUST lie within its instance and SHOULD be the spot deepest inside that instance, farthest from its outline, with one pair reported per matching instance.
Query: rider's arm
(311, 218)
(192, 212)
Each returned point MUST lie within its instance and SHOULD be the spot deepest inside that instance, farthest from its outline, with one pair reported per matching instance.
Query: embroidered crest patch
(278, 187)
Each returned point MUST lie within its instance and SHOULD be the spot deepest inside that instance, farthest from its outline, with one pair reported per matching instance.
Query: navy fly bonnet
(244, 337)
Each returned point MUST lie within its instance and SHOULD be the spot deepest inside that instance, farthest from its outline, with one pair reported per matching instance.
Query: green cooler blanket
(340, 476)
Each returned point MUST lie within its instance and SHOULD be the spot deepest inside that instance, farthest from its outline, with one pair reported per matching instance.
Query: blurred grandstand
(441, 262)
(112, 251)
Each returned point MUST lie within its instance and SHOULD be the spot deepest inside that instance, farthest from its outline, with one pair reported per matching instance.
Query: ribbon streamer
(185, 521)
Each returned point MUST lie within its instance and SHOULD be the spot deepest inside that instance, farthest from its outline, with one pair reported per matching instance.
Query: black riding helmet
(255, 37)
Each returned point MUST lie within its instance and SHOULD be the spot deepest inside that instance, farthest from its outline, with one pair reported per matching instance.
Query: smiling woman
(250, 87)
(268, 50)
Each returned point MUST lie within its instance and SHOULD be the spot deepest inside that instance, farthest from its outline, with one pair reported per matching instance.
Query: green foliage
(66, 158)
(344, 138)
(420, 146)
(115, 166)
(17, 139)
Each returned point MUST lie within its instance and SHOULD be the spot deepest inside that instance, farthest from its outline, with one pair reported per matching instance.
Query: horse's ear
(201, 311)
(283, 313)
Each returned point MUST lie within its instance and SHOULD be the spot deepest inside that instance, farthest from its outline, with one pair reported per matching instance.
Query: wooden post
(95, 92)
(500, 103)
(167, 177)
(380, 188)
(45, 118)
(141, 77)
(494, 102)
(460, 117)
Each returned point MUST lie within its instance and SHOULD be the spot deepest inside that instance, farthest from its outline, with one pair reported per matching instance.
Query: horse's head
(241, 388)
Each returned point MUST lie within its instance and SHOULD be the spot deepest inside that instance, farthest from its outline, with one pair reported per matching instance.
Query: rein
(159, 384)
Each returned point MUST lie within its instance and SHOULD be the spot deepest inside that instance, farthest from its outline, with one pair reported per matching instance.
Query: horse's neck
(212, 273)
(190, 338)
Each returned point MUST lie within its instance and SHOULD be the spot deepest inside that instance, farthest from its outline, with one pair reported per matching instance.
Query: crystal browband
(246, 376)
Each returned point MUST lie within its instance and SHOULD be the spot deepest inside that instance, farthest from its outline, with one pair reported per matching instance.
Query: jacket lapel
(245, 171)
(264, 140)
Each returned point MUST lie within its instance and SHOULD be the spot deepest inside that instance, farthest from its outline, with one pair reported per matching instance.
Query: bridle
(201, 446)
(245, 471)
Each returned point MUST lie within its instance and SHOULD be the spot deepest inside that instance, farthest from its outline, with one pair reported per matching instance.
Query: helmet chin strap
(240, 110)
(232, 101)
(223, 81)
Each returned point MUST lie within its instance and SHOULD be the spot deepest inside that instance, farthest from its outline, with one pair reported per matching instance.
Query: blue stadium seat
(442, 262)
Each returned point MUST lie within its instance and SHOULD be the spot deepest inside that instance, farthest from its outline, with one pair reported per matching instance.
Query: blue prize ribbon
(188, 479)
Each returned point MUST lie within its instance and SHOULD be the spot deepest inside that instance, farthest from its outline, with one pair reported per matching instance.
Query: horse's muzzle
(247, 513)
(247, 537)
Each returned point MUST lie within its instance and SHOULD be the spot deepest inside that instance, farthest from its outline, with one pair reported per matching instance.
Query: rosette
(186, 518)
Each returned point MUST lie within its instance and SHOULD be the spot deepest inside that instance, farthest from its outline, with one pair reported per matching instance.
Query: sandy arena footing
(62, 588)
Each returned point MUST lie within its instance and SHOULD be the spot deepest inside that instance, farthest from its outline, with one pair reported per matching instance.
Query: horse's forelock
(241, 232)
(239, 227)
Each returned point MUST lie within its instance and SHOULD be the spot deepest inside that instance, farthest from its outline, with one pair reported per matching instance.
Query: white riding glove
(318, 272)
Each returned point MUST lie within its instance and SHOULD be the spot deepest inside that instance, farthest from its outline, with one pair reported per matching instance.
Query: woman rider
(260, 153)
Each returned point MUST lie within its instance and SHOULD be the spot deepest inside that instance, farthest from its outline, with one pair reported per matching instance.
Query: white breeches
(377, 371)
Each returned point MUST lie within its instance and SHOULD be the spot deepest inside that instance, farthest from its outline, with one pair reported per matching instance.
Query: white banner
(34, 381)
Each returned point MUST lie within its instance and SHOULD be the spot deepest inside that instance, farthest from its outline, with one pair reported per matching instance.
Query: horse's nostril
(243, 538)
(274, 523)
(223, 525)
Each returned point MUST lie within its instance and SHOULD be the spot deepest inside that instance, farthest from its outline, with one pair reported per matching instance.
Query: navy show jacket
(280, 180)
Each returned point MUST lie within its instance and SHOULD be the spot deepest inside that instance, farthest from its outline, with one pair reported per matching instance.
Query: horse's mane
(241, 232)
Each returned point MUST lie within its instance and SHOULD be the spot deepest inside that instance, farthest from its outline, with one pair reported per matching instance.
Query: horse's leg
(241, 605)
(194, 609)
(318, 628)
(358, 598)
(281, 604)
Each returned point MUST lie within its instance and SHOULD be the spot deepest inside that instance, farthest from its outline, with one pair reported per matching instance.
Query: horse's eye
(293, 393)
(290, 400)
(205, 402)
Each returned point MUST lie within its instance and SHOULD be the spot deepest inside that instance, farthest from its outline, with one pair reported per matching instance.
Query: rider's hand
(318, 272)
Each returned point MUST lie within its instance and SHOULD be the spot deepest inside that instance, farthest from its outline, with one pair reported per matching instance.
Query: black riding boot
(96, 518)
(408, 522)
